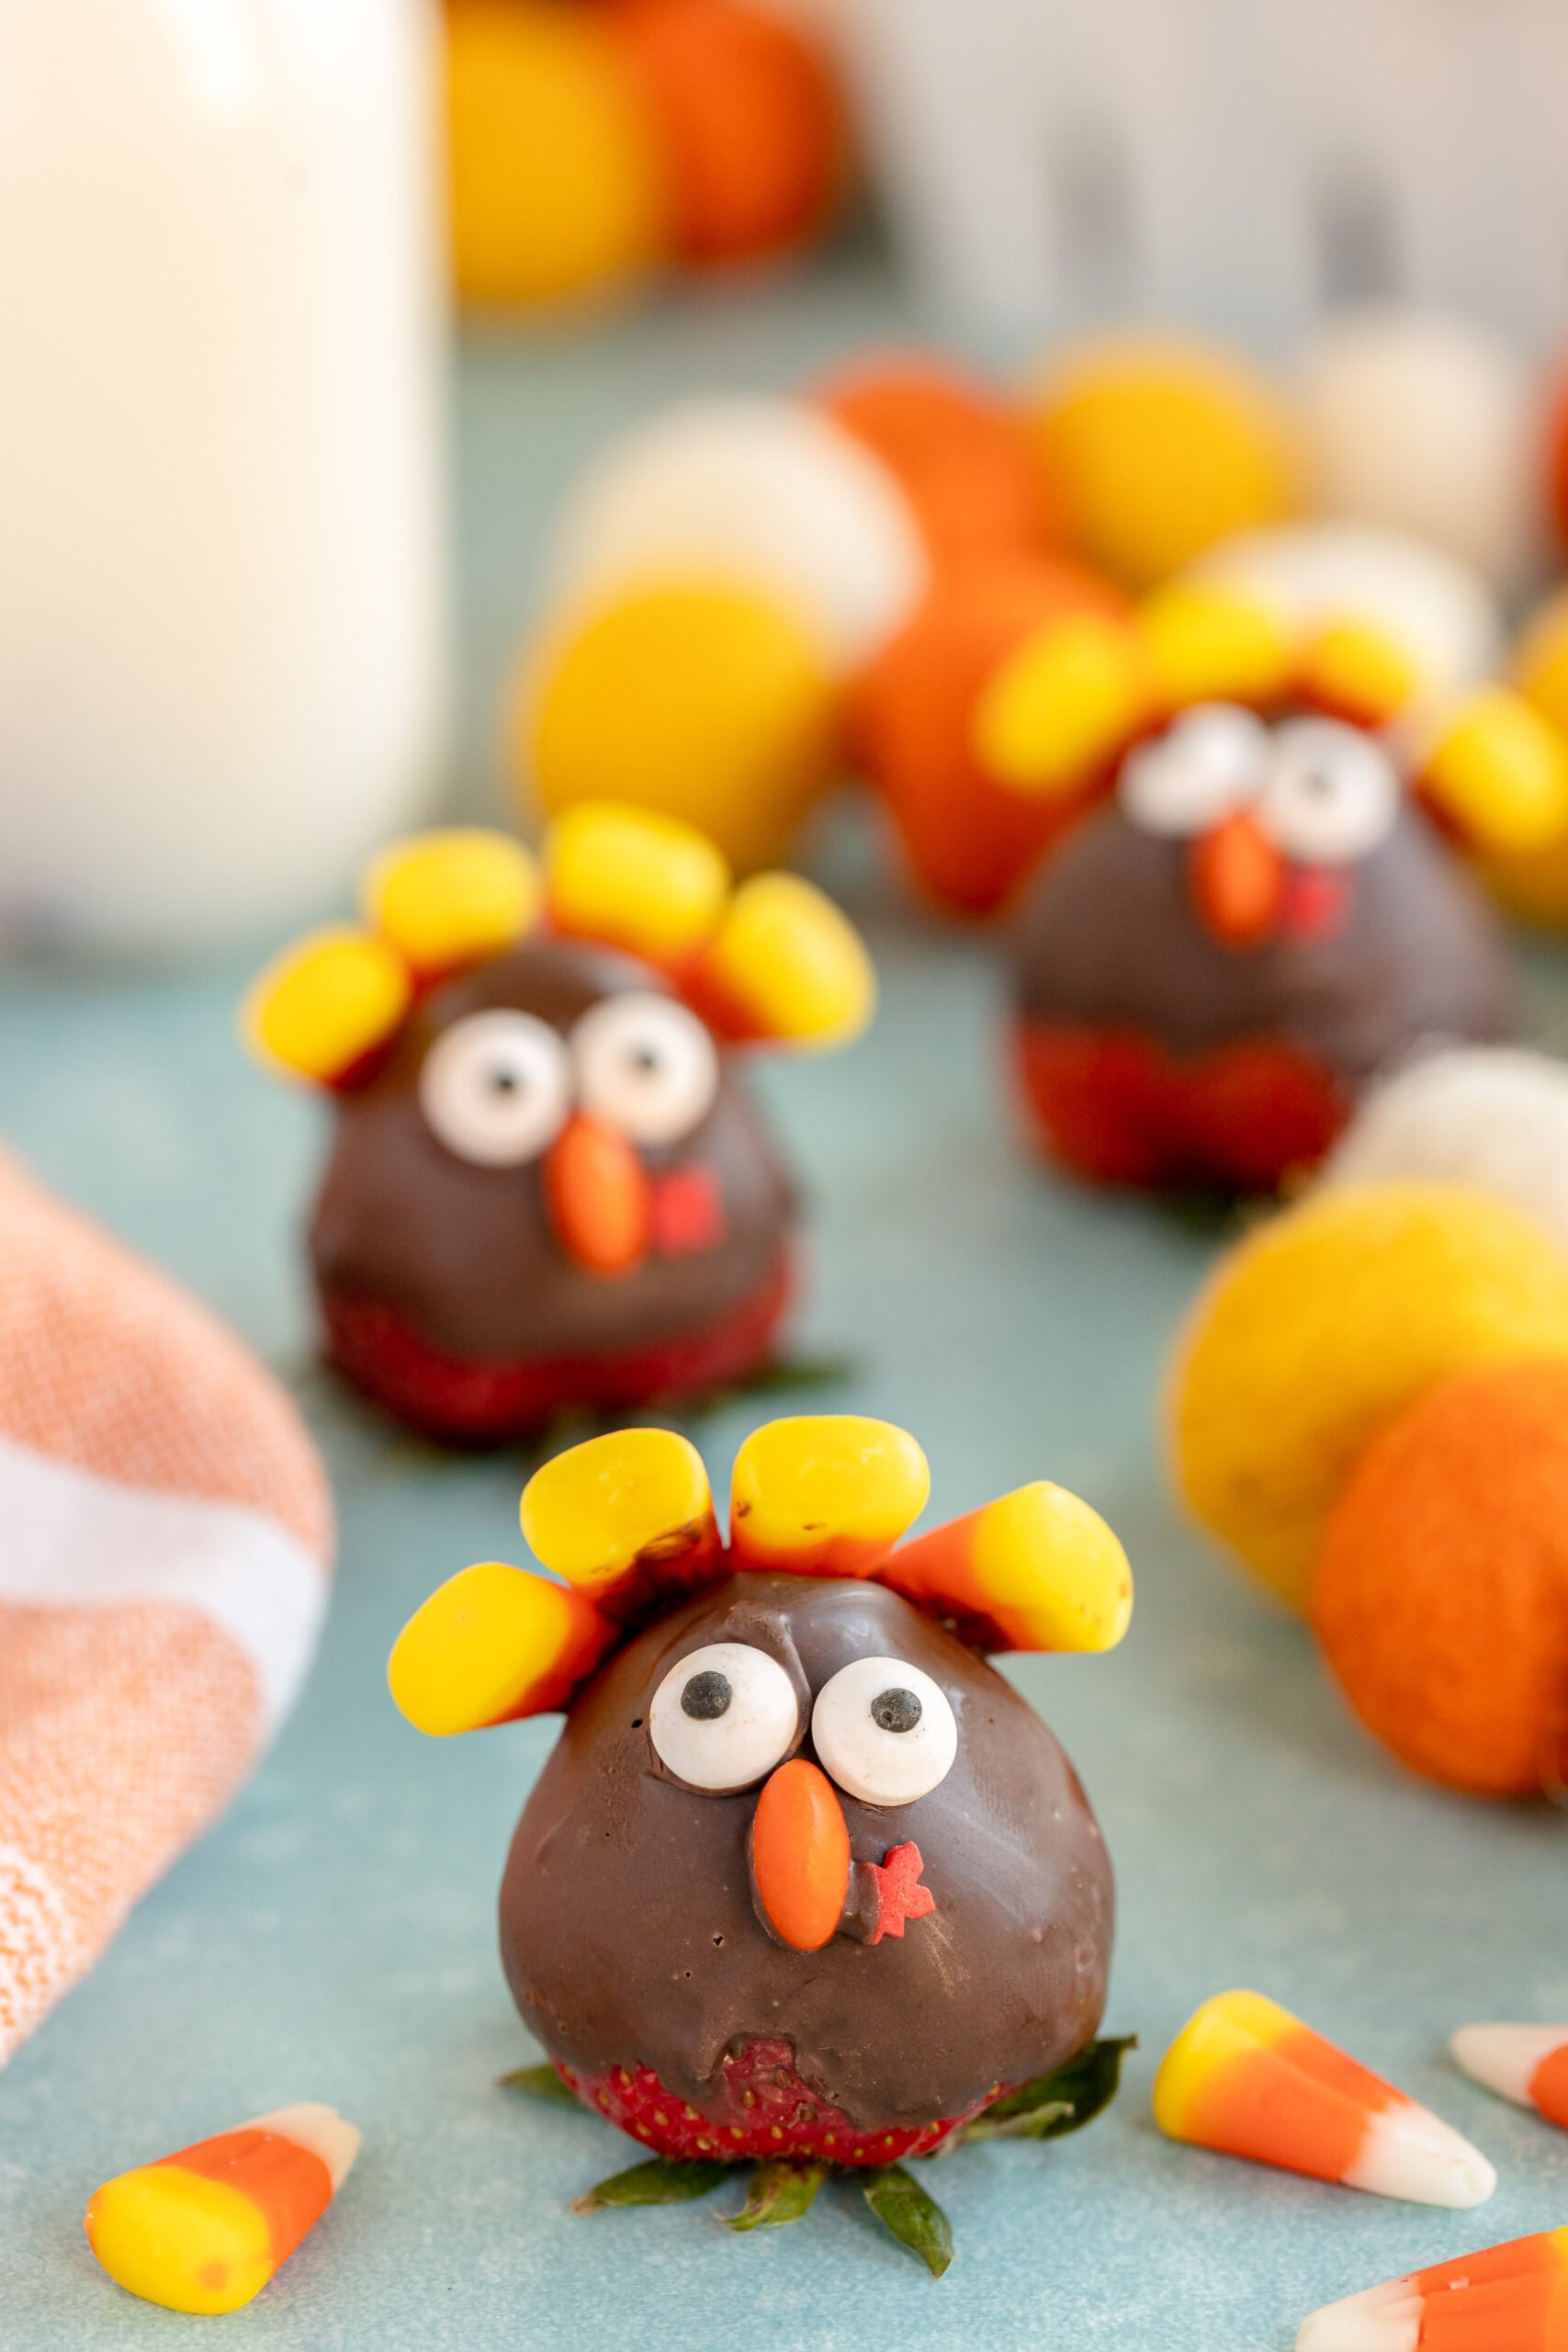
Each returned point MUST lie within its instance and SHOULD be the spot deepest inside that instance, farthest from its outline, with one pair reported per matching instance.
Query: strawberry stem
(779, 2192)
(662, 2180)
(539, 2082)
(1053, 2105)
(910, 2214)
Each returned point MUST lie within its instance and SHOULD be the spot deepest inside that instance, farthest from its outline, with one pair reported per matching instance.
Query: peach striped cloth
(165, 1534)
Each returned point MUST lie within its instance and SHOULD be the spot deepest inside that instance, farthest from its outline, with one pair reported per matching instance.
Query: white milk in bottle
(221, 526)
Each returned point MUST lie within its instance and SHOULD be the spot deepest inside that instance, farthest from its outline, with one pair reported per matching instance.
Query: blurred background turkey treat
(859, 697)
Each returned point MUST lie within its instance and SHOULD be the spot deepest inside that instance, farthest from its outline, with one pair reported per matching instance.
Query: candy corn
(634, 878)
(1204, 640)
(1213, 643)
(1498, 771)
(1247, 2078)
(204, 2230)
(324, 1004)
(1511, 2298)
(493, 1644)
(1527, 2064)
(1360, 672)
(786, 967)
(446, 900)
(1038, 1571)
(825, 1495)
(1061, 705)
(627, 1518)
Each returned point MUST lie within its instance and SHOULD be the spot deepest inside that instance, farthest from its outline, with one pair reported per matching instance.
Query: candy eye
(724, 1716)
(495, 1087)
(1214, 756)
(885, 1731)
(1332, 795)
(644, 1065)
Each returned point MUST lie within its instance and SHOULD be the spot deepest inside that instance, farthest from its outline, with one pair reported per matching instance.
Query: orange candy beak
(600, 1200)
(1237, 878)
(800, 1855)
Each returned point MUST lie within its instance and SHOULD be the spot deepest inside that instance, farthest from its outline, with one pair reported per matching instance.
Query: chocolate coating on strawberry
(630, 1925)
(1109, 938)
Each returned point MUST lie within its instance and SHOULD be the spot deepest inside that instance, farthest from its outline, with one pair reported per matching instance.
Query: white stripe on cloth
(69, 1538)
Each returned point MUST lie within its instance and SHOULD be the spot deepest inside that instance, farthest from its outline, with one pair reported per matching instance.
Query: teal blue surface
(333, 1937)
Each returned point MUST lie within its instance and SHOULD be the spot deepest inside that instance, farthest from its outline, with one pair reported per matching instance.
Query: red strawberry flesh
(759, 2107)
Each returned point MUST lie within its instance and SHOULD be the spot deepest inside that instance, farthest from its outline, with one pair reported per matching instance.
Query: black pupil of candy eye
(706, 1696)
(644, 1060)
(505, 1081)
(896, 1710)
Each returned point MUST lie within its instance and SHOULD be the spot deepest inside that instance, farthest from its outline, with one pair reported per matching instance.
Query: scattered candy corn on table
(333, 1939)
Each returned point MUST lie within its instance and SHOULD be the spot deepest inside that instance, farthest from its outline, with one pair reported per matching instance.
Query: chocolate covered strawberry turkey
(547, 1189)
(1218, 962)
(805, 1881)
(1260, 905)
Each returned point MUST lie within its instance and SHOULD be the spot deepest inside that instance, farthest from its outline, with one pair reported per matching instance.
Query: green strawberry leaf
(916, 2220)
(1048, 2122)
(779, 2192)
(541, 2082)
(1053, 2105)
(786, 1374)
(662, 2180)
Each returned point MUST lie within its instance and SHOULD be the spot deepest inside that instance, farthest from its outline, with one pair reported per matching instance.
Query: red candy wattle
(1120, 1109)
(688, 1214)
(759, 2108)
(464, 1403)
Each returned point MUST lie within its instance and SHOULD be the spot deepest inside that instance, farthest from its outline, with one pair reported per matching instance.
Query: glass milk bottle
(220, 542)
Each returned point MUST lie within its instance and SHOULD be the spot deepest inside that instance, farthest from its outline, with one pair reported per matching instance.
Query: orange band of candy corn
(1514, 2297)
(1510, 2298)
(1549, 2087)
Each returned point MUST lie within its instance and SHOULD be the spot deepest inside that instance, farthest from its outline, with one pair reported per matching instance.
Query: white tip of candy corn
(321, 2130)
(1385, 2319)
(1411, 2153)
(1507, 2058)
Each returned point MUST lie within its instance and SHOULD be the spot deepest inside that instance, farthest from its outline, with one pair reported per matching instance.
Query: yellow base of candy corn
(1084, 1599)
(825, 1494)
(492, 1643)
(444, 900)
(591, 1513)
(177, 2239)
(324, 1004)
(635, 878)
